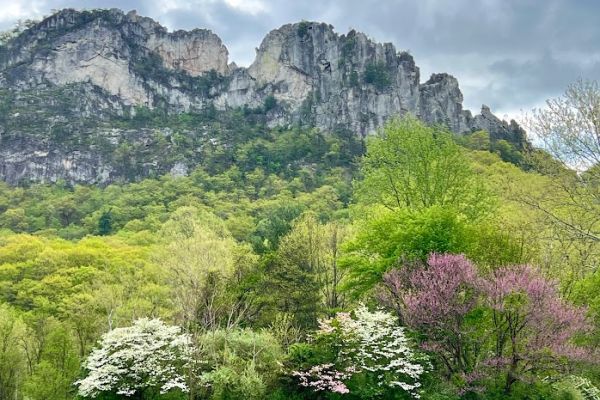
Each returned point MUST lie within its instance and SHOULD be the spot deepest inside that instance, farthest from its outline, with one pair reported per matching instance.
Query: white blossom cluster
(374, 342)
(323, 377)
(146, 355)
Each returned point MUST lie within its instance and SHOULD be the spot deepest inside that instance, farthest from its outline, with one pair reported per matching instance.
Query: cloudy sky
(508, 54)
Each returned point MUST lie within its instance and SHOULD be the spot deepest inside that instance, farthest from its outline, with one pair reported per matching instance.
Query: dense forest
(299, 264)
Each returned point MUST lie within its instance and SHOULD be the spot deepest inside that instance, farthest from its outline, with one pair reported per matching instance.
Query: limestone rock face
(88, 56)
(106, 64)
(26, 161)
(120, 53)
(441, 102)
(338, 81)
(498, 129)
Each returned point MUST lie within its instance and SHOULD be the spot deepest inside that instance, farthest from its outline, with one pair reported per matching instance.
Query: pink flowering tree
(533, 327)
(368, 352)
(511, 323)
(439, 300)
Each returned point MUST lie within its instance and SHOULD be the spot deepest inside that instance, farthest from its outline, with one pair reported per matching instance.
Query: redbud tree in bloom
(369, 343)
(533, 326)
(144, 359)
(436, 300)
(512, 321)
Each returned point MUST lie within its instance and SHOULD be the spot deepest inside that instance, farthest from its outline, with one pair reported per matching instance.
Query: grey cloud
(510, 54)
(526, 81)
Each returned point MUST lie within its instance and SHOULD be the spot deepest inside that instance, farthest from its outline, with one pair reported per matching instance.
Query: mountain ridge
(303, 74)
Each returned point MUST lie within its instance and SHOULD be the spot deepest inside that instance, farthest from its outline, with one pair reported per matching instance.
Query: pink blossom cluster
(323, 377)
(525, 300)
(529, 324)
(443, 292)
(471, 379)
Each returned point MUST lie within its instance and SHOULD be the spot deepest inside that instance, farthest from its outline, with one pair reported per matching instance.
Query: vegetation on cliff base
(281, 269)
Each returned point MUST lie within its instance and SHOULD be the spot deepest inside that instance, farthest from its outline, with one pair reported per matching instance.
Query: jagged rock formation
(115, 62)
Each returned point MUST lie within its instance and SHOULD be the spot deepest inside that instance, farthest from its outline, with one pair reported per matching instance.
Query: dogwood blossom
(148, 355)
(370, 342)
(323, 377)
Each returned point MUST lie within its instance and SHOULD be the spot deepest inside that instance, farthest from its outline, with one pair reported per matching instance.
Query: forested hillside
(319, 225)
(296, 264)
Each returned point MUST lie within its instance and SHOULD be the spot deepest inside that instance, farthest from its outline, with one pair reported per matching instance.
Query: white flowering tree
(140, 361)
(368, 347)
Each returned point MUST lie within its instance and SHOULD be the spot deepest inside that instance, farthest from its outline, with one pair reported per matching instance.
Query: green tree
(304, 272)
(293, 272)
(12, 360)
(377, 74)
(203, 265)
(240, 364)
(419, 194)
(412, 165)
(53, 376)
(105, 223)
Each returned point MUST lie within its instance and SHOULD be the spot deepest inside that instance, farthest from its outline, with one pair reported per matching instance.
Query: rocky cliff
(68, 82)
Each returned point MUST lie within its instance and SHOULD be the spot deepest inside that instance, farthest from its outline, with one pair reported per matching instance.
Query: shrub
(377, 74)
(144, 359)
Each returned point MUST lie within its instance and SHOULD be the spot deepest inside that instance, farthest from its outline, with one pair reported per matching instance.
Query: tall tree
(53, 376)
(305, 272)
(412, 165)
(436, 299)
(511, 323)
(12, 360)
(569, 128)
(140, 362)
(203, 265)
(569, 125)
(533, 326)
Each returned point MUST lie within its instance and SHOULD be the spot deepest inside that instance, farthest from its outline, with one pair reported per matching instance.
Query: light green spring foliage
(305, 272)
(52, 378)
(421, 193)
(409, 165)
(12, 363)
(239, 363)
(244, 249)
(201, 263)
(62, 278)
(64, 295)
(575, 387)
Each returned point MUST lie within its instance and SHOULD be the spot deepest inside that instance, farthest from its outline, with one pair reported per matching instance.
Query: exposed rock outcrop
(306, 72)
(120, 53)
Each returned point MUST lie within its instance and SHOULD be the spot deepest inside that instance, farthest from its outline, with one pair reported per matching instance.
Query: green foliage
(479, 140)
(353, 80)
(57, 369)
(377, 74)
(385, 238)
(575, 387)
(349, 46)
(303, 27)
(409, 164)
(241, 364)
(105, 224)
(277, 175)
(420, 194)
(269, 103)
(265, 237)
(508, 151)
(202, 263)
(12, 360)
(303, 276)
